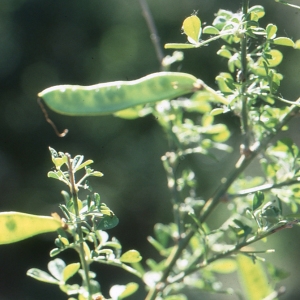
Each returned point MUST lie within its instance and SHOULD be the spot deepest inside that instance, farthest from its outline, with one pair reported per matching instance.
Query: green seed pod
(106, 98)
(16, 226)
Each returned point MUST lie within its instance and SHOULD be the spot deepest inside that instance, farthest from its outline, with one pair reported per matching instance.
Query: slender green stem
(265, 187)
(288, 4)
(169, 162)
(243, 78)
(74, 193)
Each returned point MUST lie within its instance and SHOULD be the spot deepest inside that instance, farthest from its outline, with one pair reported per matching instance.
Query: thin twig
(63, 134)
(264, 188)
(153, 31)
(74, 193)
(243, 79)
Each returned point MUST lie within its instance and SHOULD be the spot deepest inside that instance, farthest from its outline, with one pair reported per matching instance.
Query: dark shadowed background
(50, 42)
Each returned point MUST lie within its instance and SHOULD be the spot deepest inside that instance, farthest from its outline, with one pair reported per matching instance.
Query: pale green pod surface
(106, 98)
(16, 226)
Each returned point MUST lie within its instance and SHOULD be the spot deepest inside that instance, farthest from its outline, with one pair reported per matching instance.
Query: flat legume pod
(16, 226)
(106, 98)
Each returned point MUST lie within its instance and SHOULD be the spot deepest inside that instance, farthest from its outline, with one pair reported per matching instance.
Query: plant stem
(74, 193)
(265, 187)
(243, 79)
(169, 161)
(153, 32)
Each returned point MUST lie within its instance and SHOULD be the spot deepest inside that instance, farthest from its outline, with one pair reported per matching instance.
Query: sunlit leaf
(70, 270)
(210, 30)
(224, 266)
(284, 41)
(253, 278)
(192, 28)
(131, 256)
(271, 31)
(42, 276)
(179, 46)
(258, 200)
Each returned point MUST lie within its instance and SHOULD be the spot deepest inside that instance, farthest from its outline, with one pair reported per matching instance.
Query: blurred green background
(50, 42)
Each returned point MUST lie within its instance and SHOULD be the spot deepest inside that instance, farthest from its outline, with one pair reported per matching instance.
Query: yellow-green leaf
(210, 30)
(284, 41)
(179, 46)
(16, 226)
(122, 291)
(131, 256)
(271, 31)
(253, 278)
(192, 28)
(297, 44)
(223, 266)
(70, 270)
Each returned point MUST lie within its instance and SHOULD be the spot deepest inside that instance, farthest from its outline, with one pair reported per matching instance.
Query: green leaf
(52, 174)
(86, 163)
(179, 46)
(131, 256)
(217, 111)
(210, 30)
(253, 278)
(70, 270)
(223, 266)
(76, 161)
(176, 297)
(192, 28)
(258, 10)
(163, 233)
(284, 41)
(271, 31)
(54, 252)
(118, 292)
(224, 81)
(56, 267)
(107, 222)
(41, 276)
(112, 245)
(297, 44)
(258, 200)
(276, 58)
(97, 174)
(130, 288)
(224, 53)
(158, 246)
(16, 226)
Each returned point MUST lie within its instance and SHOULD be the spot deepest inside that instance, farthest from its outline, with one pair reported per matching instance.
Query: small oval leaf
(284, 41)
(210, 30)
(192, 28)
(70, 270)
(41, 276)
(271, 31)
(131, 256)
